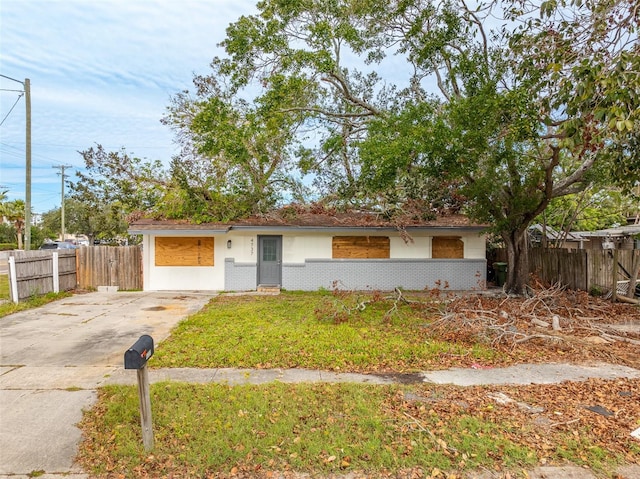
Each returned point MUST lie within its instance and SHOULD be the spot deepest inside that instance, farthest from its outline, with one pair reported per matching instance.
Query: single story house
(306, 251)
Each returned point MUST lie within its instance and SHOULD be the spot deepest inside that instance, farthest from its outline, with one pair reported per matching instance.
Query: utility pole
(27, 200)
(63, 176)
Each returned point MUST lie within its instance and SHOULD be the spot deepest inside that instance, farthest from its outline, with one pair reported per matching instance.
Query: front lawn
(294, 431)
(322, 330)
(403, 431)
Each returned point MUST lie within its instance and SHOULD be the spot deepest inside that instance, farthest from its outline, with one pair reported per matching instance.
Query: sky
(101, 72)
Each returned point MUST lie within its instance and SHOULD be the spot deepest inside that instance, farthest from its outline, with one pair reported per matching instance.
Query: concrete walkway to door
(53, 358)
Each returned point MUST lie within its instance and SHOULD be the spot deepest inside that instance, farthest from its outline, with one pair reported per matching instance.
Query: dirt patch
(155, 308)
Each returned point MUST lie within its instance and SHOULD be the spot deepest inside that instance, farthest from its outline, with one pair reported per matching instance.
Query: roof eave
(175, 231)
(313, 229)
(182, 230)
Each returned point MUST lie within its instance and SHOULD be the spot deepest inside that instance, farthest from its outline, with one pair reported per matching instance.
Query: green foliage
(7, 233)
(95, 220)
(585, 66)
(117, 178)
(241, 154)
(512, 152)
(588, 211)
(115, 186)
(541, 107)
(14, 212)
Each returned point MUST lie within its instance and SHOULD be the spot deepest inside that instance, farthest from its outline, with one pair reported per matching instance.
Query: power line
(14, 105)
(9, 78)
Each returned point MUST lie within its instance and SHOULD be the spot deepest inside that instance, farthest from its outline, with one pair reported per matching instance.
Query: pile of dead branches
(549, 316)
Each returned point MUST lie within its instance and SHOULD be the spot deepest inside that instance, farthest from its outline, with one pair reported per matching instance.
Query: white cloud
(101, 71)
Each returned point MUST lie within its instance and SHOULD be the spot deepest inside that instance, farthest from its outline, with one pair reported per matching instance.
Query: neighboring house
(546, 236)
(621, 237)
(312, 251)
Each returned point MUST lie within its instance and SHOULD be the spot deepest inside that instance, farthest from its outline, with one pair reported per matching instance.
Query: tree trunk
(517, 261)
(635, 270)
(19, 238)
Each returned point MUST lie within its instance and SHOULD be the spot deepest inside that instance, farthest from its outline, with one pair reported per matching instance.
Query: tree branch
(562, 188)
(339, 82)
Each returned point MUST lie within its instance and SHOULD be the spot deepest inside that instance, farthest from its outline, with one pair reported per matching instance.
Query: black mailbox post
(136, 356)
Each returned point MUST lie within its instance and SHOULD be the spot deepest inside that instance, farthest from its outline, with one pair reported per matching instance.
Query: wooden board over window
(180, 251)
(447, 247)
(364, 247)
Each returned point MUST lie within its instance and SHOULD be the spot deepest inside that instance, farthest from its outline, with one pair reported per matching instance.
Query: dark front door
(269, 260)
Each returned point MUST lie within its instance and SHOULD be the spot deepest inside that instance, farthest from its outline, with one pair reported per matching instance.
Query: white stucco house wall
(313, 251)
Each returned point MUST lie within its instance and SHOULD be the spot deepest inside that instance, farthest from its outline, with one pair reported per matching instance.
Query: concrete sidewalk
(53, 359)
(520, 374)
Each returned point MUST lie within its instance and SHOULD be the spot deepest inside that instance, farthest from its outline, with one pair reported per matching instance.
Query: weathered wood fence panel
(568, 268)
(34, 272)
(578, 269)
(119, 266)
(601, 267)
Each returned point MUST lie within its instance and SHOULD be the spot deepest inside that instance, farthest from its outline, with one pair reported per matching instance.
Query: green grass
(310, 330)
(200, 429)
(4, 287)
(7, 308)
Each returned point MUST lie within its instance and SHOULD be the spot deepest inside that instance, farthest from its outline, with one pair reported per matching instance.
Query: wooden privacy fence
(40, 272)
(119, 266)
(580, 269)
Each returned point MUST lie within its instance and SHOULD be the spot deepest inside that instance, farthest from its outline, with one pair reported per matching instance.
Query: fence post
(56, 272)
(614, 294)
(13, 287)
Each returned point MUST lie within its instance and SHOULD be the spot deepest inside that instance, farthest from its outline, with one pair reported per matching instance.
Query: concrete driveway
(54, 357)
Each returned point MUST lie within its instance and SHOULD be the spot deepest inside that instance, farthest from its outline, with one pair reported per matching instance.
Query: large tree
(332, 52)
(523, 111)
(527, 114)
(237, 155)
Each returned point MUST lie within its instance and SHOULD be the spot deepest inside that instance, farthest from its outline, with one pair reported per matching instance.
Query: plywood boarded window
(447, 247)
(363, 247)
(184, 251)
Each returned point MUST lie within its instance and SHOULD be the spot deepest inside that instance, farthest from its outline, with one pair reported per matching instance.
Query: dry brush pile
(551, 324)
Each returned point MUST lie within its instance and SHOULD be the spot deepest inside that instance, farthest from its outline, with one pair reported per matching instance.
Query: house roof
(306, 221)
(628, 230)
(553, 234)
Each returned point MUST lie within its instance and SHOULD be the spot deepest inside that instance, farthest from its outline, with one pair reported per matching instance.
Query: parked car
(58, 245)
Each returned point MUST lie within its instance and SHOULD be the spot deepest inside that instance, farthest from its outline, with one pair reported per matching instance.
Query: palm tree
(14, 212)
